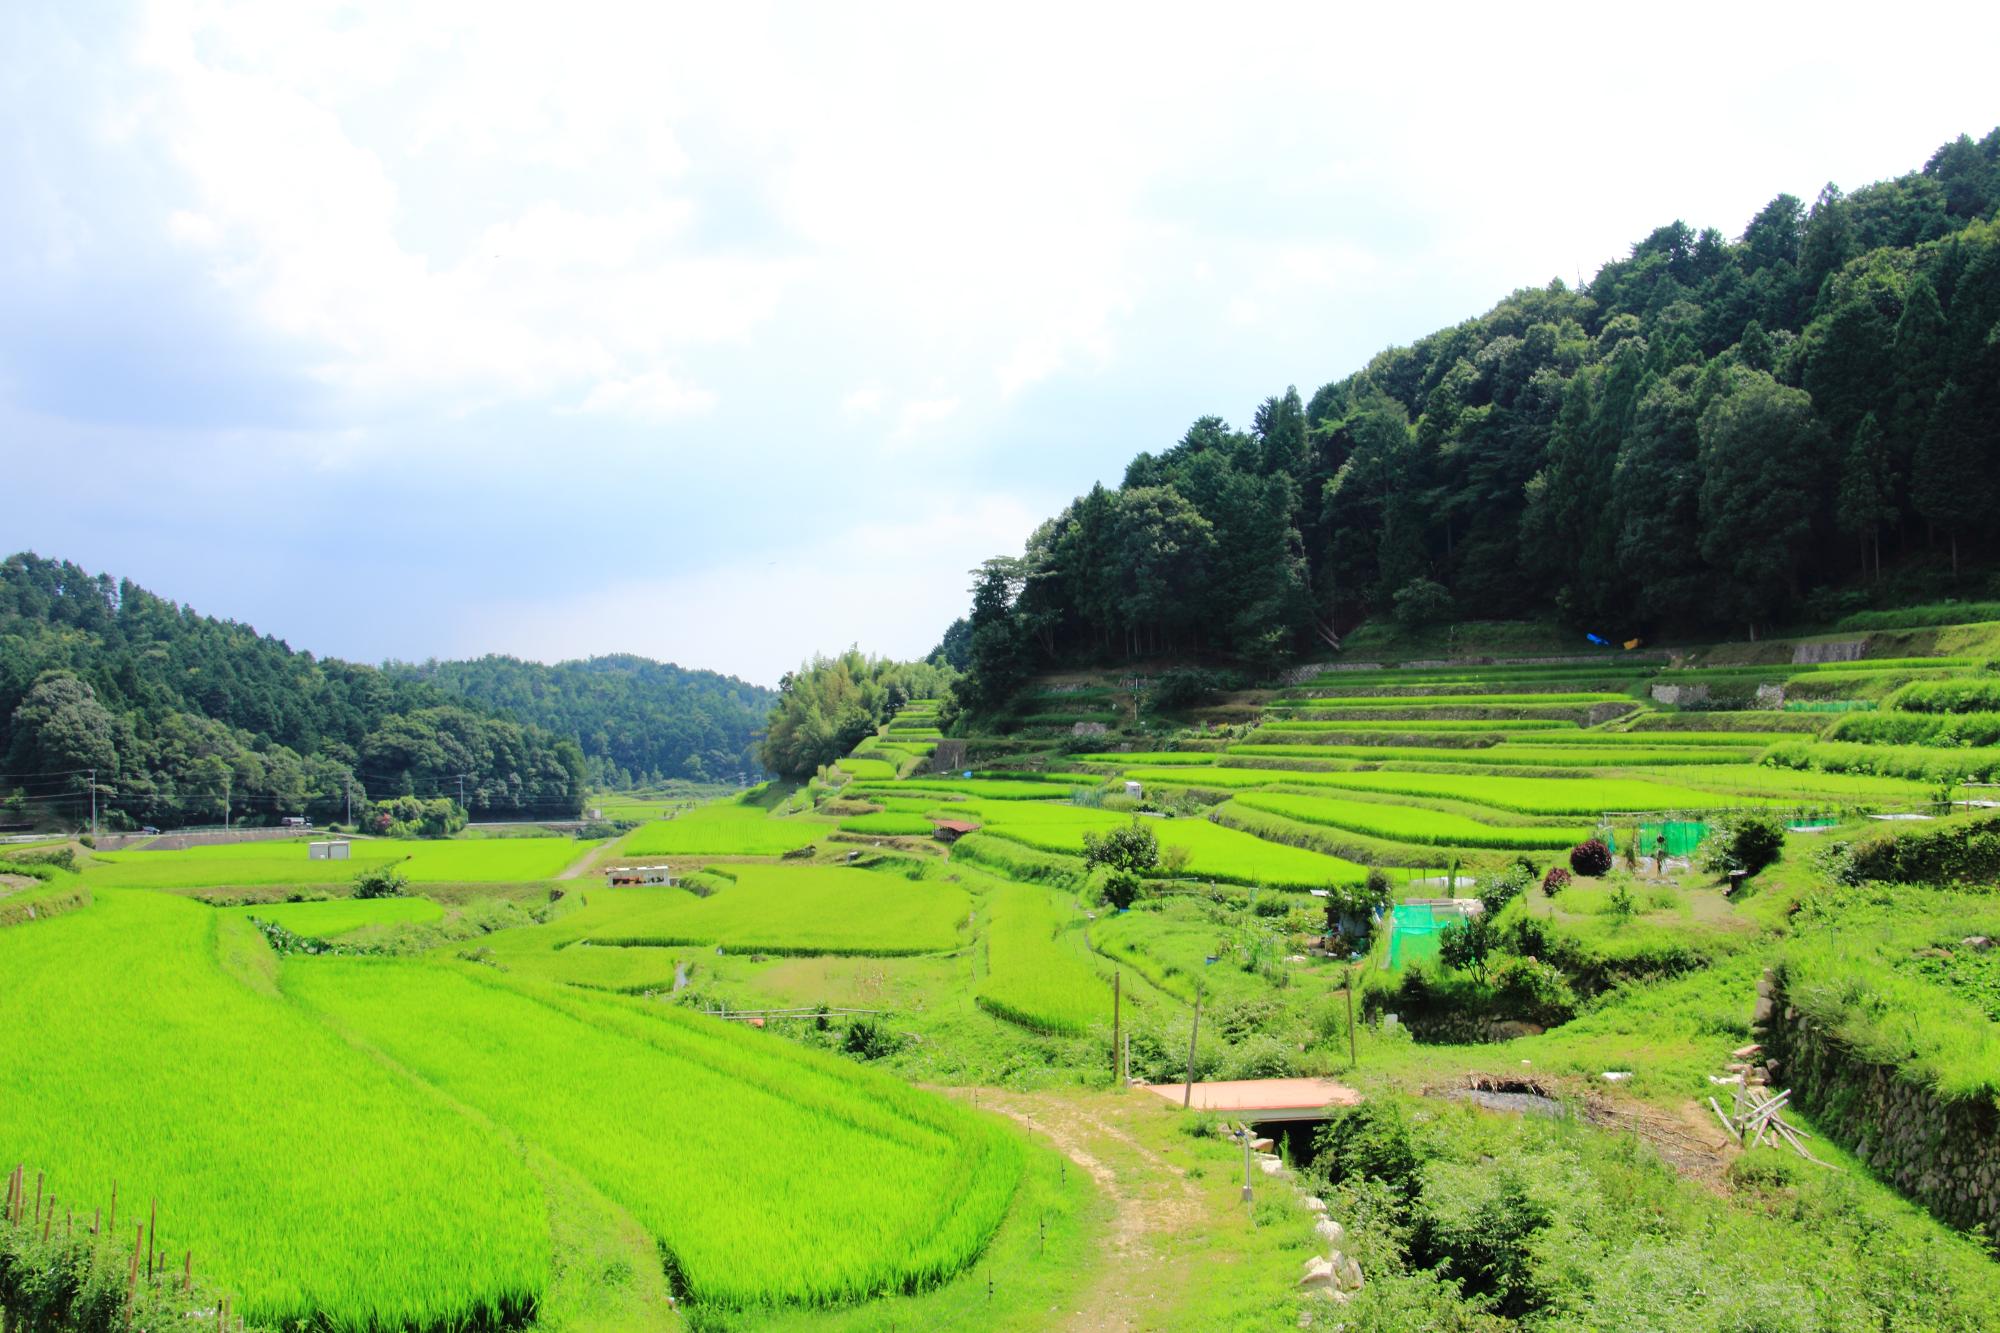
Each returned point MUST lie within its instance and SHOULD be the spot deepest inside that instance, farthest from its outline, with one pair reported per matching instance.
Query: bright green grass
(888, 824)
(303, 1174)
(1167, 942)
(768, 1173)
(780, 910)
(727, 828)
(1412, 824)
(248, 864)
(1038, 973)
(874, 770)
(326, 920)
(1213, 852)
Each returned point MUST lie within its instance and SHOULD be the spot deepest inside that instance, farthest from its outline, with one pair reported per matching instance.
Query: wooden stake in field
(152, 1233)
(111, 1222)
(132, 1275)
(187, 1273)
(1187, 1093)
(1117, 1051)
(1353, 1058)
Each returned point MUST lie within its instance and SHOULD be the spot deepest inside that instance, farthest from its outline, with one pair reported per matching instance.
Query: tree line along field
(570, 1049)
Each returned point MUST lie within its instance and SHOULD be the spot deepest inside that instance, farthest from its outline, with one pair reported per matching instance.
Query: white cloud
(657, 396)
(862, 401)
(760, 617)
(919, 415)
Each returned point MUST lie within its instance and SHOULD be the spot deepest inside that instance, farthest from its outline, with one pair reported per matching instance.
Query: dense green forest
(825, 707)
(1709, 435)
(639, 721)
(184, 716)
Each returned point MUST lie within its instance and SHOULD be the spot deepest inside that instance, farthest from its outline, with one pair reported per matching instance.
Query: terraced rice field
(393, 1209)
(776, 910)
(1516, 756)
(904, 1189)
(1213, 852)
(258, 864)
(728, 828)
(1038, 973)
(1413, 824)
(330, 920)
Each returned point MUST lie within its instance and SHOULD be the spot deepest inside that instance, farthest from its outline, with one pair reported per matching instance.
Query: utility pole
(347, 788)
(93, 805)
(227, 777)
(1246, 1164)
(461, 795)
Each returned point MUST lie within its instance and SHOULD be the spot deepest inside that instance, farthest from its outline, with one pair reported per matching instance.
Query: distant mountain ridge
(179, 718)
(637, 720)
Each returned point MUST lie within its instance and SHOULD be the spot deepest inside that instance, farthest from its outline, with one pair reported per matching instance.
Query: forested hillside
(1707, 435)
(638, 721)
(184, 716)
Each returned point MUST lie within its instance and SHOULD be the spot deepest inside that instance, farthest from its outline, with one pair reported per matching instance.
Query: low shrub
(1555, 881)
(1961, 694)
(1535, 990)
(381, 881)
(1746, 841)
(1958, 852)
(1590, 858)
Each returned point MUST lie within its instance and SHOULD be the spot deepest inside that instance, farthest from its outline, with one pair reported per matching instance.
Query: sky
(728, 334)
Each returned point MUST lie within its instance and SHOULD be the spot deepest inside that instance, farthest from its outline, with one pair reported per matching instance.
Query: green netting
(1683, 836)
(1413, 938)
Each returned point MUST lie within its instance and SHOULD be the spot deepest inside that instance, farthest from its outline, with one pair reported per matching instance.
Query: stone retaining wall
(1943, 1153)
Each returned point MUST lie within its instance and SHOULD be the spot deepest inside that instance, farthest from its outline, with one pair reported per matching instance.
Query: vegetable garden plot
(768, 1174)
(298, 1170)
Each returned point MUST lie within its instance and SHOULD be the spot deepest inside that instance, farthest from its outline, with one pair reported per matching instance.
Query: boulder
(1319, 1273)
(1315, 1204)
(1346, 1272)
(1330, 1231)
(1980, 942)
(1271, 1166)
(1260, 1145)
(1616, 1075)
